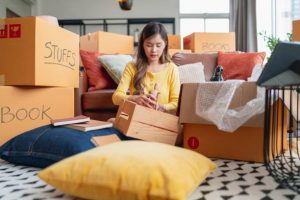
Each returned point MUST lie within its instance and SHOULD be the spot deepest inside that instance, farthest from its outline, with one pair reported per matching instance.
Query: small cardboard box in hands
(147, 124)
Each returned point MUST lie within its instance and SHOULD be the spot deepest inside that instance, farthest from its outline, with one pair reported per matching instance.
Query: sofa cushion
(98, 100)
(191, 73)
(209, 61)
(239, 65)
(115, 65)
(97, 76)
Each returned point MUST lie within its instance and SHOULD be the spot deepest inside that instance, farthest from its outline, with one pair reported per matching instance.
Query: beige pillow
(209, 61)
(191, 73)
(115, 65)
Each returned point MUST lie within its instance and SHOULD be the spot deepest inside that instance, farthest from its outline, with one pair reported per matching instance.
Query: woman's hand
(147, 100)
(138, 99)
(151, 101)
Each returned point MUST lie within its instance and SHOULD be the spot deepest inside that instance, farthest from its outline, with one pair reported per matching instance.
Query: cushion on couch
(115, 65)
(46, 145)
(209, 61)
(130, 170)
(191, 73)
(100, 99)
(97, 76)
(239, 65)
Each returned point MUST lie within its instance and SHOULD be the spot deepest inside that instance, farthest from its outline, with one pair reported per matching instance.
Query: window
(283, 18)
(295, 9)
(203, 16)
(277, 20)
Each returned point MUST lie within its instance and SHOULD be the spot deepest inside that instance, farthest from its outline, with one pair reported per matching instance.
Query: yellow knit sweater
(167, 80)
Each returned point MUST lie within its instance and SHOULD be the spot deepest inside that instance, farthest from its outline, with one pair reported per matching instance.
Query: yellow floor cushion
(130, 170)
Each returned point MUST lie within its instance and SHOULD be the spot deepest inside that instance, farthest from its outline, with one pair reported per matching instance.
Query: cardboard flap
(123, 117)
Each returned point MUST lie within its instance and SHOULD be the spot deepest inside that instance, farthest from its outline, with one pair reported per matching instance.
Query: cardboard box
(174, 41)
(200, 42)
(25, 108)
(173, 51)
(107, 43)
(296, 30)
(294, 97)
(105, 139)
(147, 124)
(34, 52)
(1, 80)
(245, 143)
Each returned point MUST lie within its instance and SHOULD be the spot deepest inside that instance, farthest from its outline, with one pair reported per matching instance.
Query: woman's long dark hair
(150, 30)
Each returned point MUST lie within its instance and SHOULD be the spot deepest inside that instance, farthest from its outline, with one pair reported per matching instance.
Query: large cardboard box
(174, 41)
(1, 79)
(147, 124)
(200, 42)
(296, 30)
(107, 43)
(245, 143)
(35, 52)
(291, 97)
(25, 108)
(173, 51)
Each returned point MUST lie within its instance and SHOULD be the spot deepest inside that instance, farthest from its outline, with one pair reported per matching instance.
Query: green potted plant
(272, 40)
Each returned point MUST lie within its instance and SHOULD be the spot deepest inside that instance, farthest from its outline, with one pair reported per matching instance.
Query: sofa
(98, 104)
(95, 104)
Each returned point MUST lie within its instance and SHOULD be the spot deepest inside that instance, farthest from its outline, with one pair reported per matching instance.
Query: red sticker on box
(193, 142)
(3, 31)
(15, 30)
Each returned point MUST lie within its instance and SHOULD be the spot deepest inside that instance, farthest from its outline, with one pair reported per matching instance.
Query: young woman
(152, 73)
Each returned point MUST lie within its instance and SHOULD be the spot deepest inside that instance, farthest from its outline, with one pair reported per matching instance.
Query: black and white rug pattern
(233, 180)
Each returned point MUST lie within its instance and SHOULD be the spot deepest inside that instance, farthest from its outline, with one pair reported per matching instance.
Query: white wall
(17, 6)
(88, 9)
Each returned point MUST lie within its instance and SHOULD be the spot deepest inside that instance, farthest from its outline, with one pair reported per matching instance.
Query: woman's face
(154, 47)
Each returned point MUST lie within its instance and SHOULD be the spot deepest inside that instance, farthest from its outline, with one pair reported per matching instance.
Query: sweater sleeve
(121, 92)
(174, 90)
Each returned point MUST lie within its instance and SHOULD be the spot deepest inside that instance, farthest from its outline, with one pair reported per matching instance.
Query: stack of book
(81, 123)
(84, 123)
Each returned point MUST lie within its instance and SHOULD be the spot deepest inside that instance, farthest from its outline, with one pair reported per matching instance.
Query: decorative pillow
(115, 65)
(46, 145)
(130, 170)
(191, 73)
(209, 61)
(96, 74)
(239, 65)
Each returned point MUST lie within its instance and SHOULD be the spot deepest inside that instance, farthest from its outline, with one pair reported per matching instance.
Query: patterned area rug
(233, 180)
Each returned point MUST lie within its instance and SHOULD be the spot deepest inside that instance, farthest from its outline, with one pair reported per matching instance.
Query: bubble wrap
(214, 106)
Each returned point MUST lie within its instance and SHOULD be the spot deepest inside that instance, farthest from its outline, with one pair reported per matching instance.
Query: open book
(71, 120)
(90, 125)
